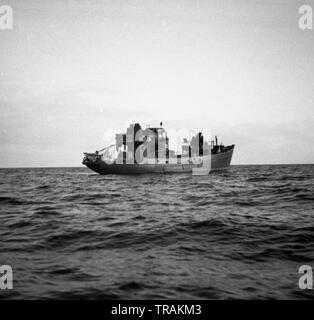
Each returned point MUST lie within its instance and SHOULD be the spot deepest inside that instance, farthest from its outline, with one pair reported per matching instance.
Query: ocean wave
(238, 233)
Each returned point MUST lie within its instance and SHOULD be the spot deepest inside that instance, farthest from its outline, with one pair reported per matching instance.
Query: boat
(145, 151)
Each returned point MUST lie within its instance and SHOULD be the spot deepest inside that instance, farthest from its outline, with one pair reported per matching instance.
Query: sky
(71, 72)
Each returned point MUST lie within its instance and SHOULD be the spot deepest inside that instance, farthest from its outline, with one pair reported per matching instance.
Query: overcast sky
(71, 71)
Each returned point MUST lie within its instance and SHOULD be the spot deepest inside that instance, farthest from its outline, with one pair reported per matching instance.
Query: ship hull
(219, 161)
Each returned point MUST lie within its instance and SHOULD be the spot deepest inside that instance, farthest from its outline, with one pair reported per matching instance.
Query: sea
(243, 233)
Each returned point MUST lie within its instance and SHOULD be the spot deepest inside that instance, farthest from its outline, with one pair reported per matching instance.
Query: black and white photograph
(155, 150)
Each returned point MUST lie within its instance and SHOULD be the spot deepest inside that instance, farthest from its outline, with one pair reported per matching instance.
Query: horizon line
(232, 165)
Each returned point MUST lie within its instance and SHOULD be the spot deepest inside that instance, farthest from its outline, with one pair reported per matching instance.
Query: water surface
(71, 234)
